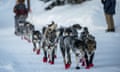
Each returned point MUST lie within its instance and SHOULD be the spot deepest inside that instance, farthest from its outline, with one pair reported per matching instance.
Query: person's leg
(107, 21)
(110, 23)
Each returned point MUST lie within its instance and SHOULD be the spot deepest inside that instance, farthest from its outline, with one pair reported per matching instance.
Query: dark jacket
(109, 6)
(20, 9)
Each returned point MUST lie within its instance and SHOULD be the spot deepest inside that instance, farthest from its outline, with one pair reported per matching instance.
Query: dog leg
(28, 38)
(39, 46)
(52, 56)
(68, 56)
(87, 61)
(45, 52)
(63, 54)
(55, 55)
(45, 55)
(49, 54)
(34, 44)
(67, 66)
(77, 61)
(91, 60)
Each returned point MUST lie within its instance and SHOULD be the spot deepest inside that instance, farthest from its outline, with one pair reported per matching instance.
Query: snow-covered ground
(16, 55)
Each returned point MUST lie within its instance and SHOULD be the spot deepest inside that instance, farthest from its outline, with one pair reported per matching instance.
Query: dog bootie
(83, 63)
(44, 59)
(51, 62)
(67, 66)
(87, 67)
(91, 65)
(38, 51)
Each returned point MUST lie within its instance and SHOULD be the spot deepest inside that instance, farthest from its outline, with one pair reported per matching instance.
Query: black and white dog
(69, 41)
(49, 42)
(65, 50)
(36, 40)
(90, 50)
(90, 47)
(29, 28)
(78, 50)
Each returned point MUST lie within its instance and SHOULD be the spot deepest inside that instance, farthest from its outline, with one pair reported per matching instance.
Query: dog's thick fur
(36, 40)
(29, 28)
(49, 42)
(90, 50)
(69, 41)
(78, 50)
(90, 47)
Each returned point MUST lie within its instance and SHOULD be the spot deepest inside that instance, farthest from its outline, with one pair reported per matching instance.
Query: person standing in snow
(109, 9)
(20, 9)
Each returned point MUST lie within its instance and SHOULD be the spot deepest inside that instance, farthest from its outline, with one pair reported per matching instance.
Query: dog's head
(28, 24)
(85, 30)
(76, 26)
(79, 44)
(68, 31)
(91, 46)
(36, 33)
(52, 26)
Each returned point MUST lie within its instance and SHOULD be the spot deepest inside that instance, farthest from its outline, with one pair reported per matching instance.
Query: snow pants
(110, 21)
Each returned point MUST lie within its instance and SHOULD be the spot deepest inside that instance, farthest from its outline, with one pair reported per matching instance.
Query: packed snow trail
(16, 55)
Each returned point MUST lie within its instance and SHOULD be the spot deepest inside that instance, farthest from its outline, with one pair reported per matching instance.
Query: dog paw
(51, 62)
(87, 67)
(83, 63)
(67, 66)
(77, 67)
(44, 59)
(38, 52)
(91, 65)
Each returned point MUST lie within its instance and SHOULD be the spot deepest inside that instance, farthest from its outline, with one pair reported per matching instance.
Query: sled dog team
(83, 46)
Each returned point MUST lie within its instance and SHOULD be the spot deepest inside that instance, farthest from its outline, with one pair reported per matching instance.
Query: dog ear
(77, 26)
(52, 27)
